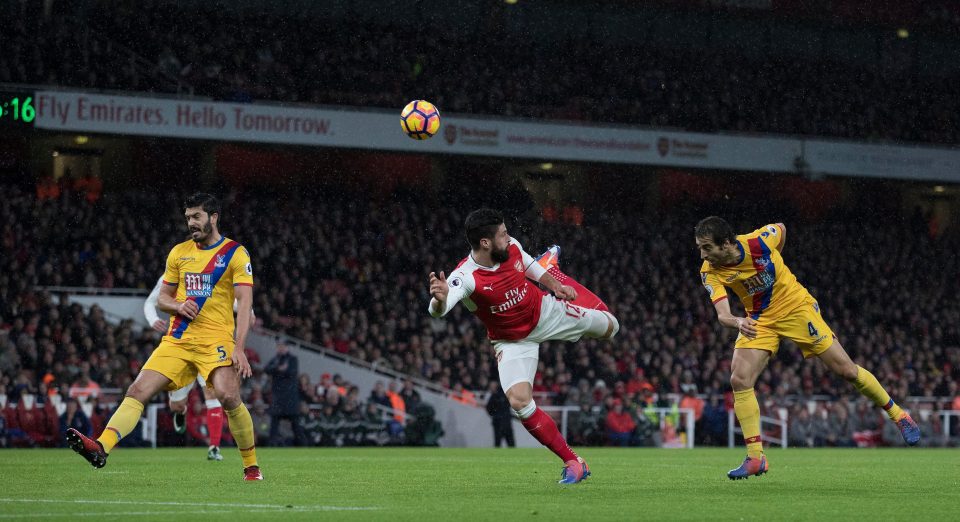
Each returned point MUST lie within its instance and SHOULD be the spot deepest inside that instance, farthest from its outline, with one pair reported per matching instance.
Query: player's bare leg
(745, 369)
(544, 429)
(226, 386)
(840, 363)
(124, 419)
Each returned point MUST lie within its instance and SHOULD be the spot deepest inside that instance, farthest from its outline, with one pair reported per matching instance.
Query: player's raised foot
(550, 258)
(87, 448)
(179, 422)
(909, 429)
(751, 466)
(214, 453)
(574, 471)
(252, 473)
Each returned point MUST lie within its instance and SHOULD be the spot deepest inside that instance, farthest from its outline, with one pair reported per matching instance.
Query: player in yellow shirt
(777, 307)
(203, 277)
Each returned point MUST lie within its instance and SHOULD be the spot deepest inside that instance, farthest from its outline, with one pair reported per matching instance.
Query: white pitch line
(276, 507)
(109, 513)
(136, 513)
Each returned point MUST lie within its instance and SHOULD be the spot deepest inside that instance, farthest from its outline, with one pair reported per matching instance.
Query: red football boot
(87, 448)
(252, 473)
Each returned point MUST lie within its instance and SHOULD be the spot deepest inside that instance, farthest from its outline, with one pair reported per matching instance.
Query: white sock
(527, 411)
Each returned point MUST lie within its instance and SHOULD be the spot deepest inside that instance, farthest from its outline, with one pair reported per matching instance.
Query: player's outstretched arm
(745, 325)
(439, 290)
(445, 295)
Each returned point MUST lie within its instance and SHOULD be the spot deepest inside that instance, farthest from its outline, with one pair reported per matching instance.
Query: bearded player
(777, 306)
(203, 277)
(496, 282)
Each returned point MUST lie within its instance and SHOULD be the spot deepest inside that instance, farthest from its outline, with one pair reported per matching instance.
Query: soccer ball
(420, 119)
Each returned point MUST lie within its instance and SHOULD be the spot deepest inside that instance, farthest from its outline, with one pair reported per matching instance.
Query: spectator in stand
(84, 388)
(308, 392)
(34, 423)
(800, 428)
(74, 417)
(410, 395)
(692, 401)
(841, 427)
(285, 394)
(463, 395)
(261, 420)
(501, 415)
(399, 407)
(378, 395)
(619, 424)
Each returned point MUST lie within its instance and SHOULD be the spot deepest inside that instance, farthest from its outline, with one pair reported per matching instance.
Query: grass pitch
(481, 484)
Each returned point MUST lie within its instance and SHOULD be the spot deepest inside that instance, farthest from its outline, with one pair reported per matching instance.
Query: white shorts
(559, 321)
(182, 393)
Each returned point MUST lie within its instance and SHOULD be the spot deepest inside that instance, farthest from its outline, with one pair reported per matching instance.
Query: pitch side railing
(733, 429)
(686, 416)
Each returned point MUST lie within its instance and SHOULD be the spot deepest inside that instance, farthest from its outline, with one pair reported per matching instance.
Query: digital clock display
(17, 108)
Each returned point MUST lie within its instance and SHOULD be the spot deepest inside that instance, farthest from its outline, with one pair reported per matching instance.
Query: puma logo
(488, 287)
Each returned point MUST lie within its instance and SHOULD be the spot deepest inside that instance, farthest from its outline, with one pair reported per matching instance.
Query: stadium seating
(361, 64)
(365, 294)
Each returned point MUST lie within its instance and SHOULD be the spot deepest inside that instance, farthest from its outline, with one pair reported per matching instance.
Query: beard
(499, 256)
(204, 232)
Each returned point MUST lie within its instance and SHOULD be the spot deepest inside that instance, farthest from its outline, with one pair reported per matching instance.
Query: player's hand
(159, 325)
(567, 293)
(188, 309)
(747, 327)
(240, 363)
(439, 287)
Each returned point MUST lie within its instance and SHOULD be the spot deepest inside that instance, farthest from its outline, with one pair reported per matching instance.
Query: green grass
(482, 484)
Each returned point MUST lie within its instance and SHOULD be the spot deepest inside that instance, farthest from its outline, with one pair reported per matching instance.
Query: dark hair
(209, 203)
(715, 229)
(481, 224)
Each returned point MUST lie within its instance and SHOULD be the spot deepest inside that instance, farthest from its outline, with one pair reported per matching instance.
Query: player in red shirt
(495, 283)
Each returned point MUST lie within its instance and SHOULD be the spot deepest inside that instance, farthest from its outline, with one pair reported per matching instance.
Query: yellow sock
(241, 426)
(747, 408)
(123, 421)
(870, 387)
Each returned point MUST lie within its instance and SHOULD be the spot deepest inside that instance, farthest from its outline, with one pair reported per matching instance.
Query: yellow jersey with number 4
(206, 275)
(767, 288)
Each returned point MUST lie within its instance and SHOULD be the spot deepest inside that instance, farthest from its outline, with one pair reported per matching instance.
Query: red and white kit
(517, 313)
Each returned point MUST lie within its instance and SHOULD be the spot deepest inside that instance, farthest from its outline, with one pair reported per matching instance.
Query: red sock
(585, 297)
(215, 424)
(542, 427)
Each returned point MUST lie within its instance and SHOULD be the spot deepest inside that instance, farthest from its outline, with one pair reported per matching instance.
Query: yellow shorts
(804, 326)
(181, 362)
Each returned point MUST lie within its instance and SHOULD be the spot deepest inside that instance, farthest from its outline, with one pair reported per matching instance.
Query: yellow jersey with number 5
(763, 282)
(207, 275)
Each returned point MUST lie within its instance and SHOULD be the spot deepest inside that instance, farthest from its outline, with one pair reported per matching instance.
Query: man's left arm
(539, 274)
(242, 270)
(244, 295)
(560, 290)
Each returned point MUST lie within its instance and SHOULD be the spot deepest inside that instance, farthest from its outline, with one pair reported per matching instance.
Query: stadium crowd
(364, 294)
(231, 55)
